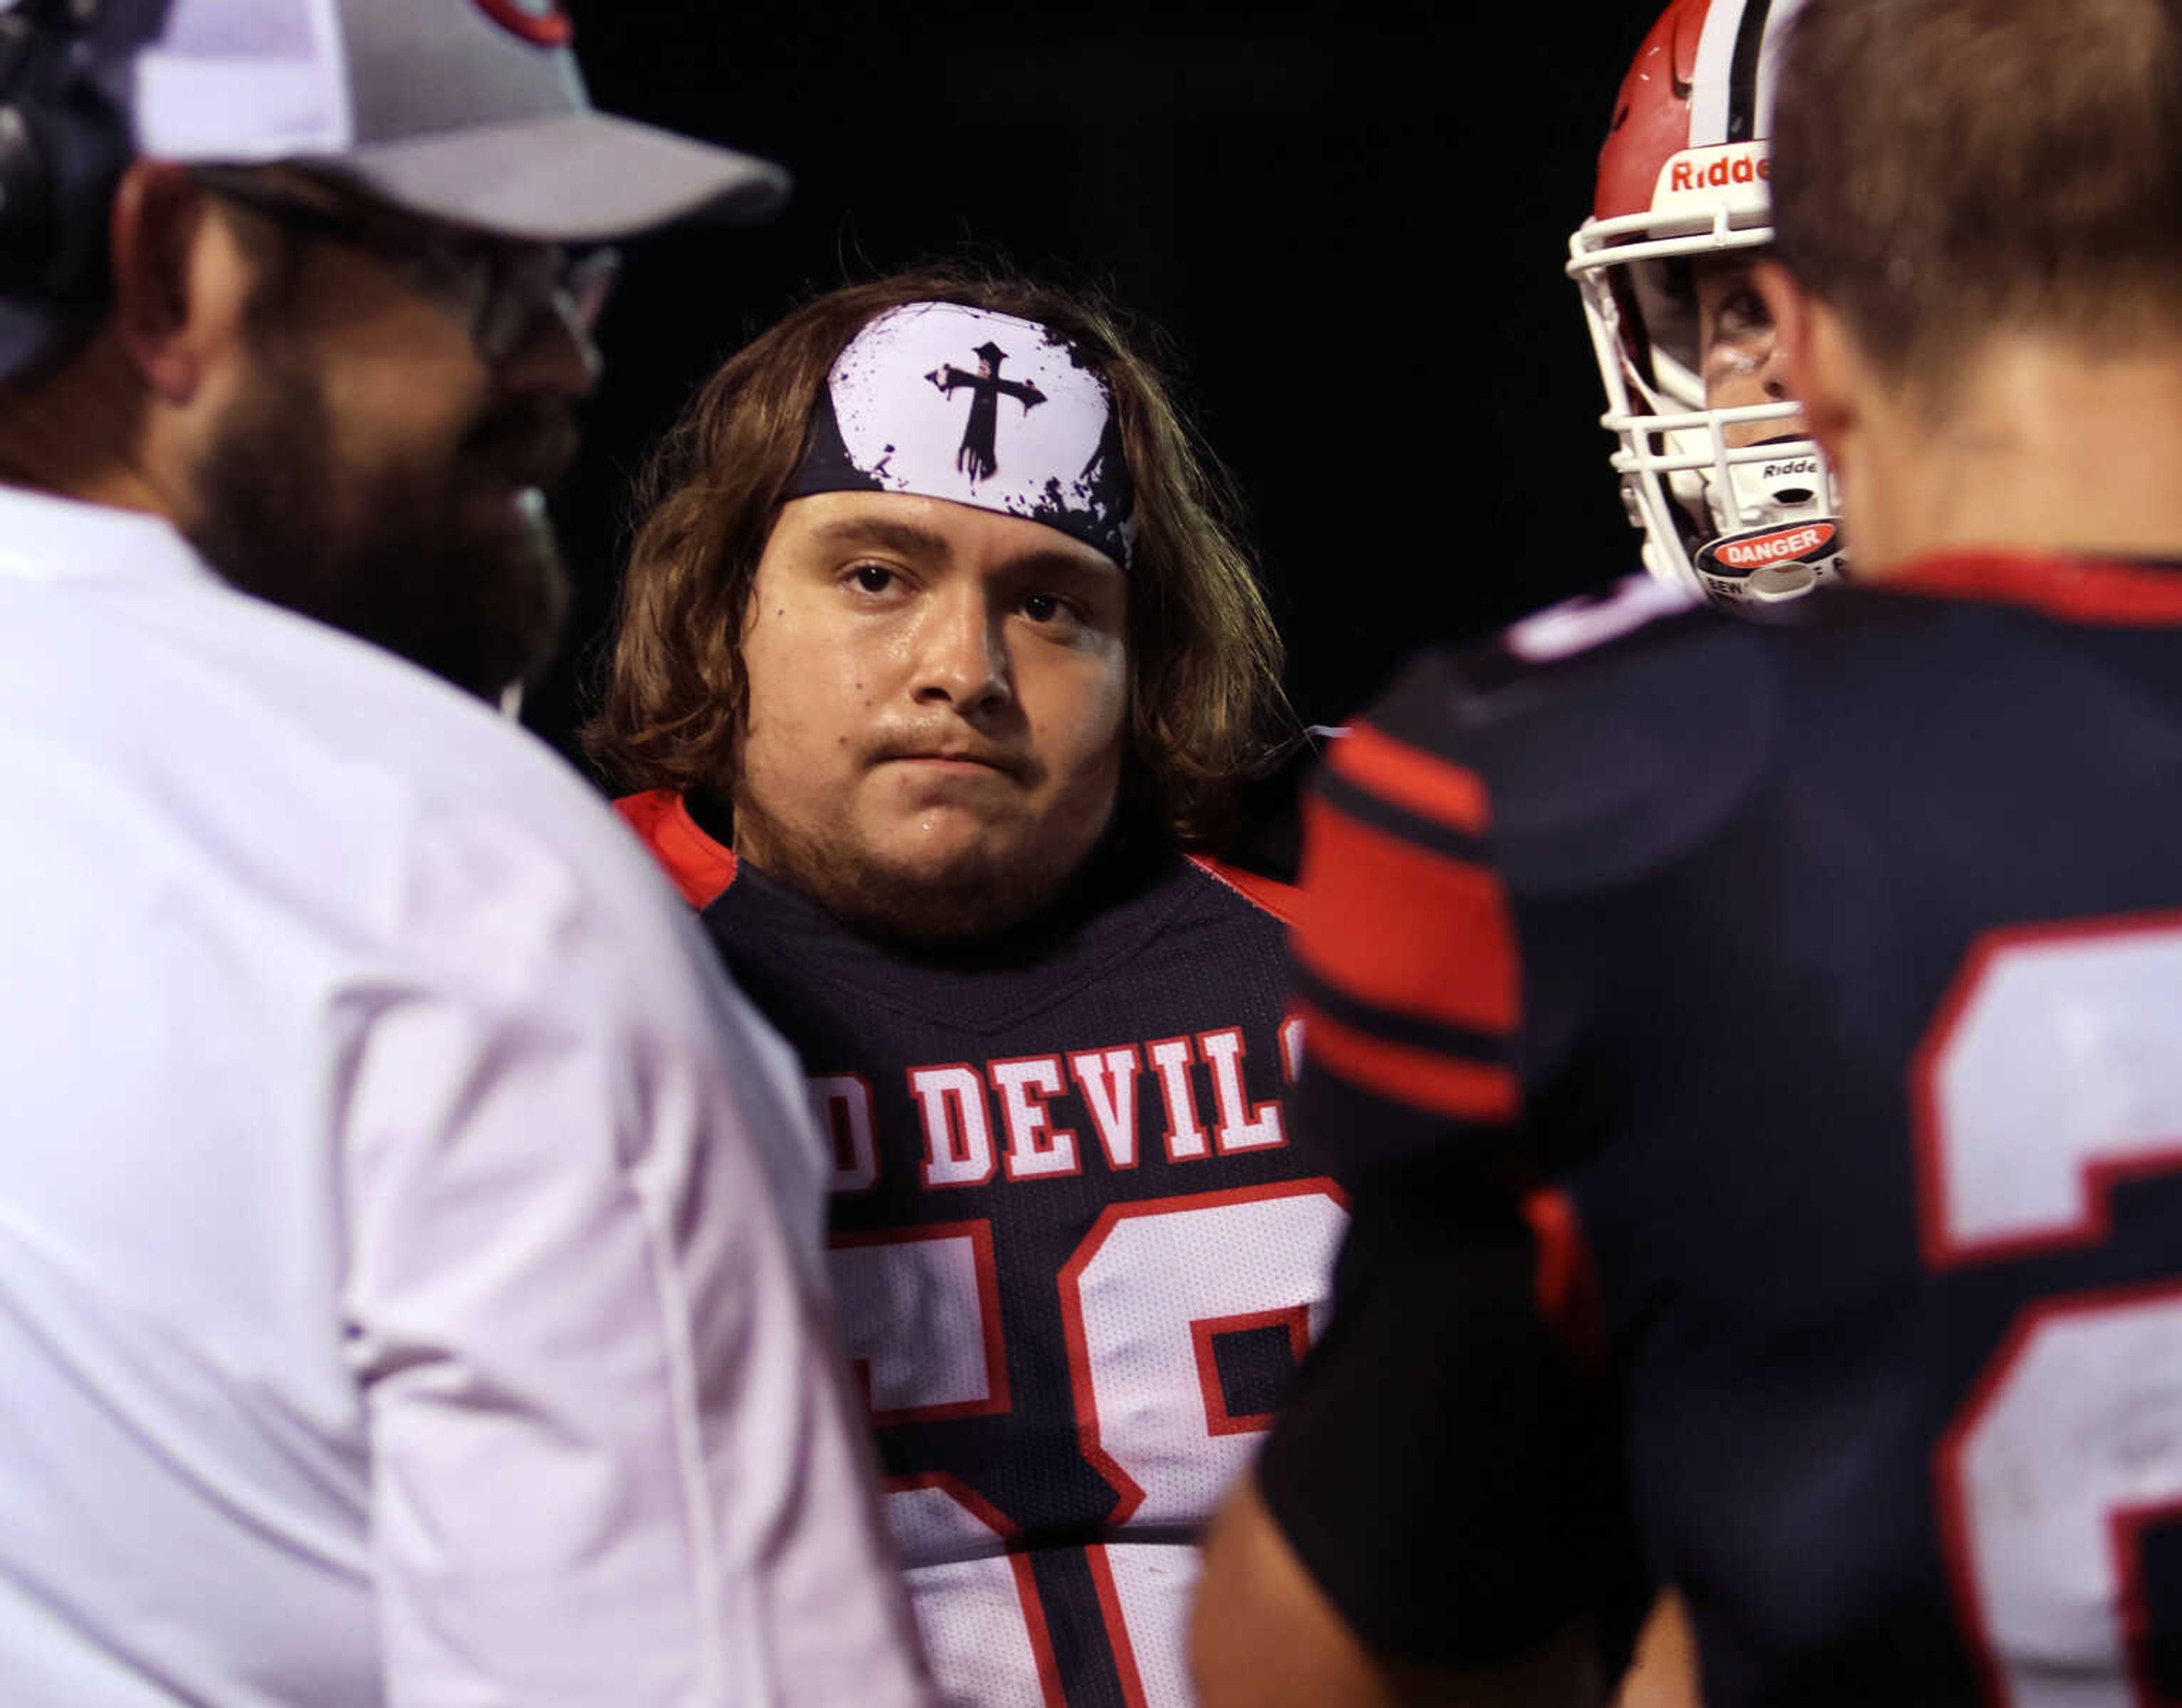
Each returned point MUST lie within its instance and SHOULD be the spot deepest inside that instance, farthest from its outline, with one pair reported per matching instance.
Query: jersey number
(1144, 1298)
(2052, 1073)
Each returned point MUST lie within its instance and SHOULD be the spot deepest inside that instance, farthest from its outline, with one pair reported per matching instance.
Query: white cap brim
(564, 177)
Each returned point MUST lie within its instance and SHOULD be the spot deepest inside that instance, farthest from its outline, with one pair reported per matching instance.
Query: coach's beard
(396, 559)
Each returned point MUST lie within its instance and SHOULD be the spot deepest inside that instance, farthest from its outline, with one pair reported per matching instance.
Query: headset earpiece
(64, 144)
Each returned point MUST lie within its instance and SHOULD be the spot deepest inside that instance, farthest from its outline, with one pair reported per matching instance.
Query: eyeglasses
(501, 289)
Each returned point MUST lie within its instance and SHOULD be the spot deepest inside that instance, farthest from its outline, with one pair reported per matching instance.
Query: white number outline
(1128, 1494)
(992, 1337)
(1089, 1432)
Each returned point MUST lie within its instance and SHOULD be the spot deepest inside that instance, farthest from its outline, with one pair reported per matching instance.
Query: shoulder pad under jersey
(1632, 615)
(1613, 736)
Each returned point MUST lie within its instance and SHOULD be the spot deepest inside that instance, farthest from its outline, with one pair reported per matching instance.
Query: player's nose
(962, 658)
(1772, 371)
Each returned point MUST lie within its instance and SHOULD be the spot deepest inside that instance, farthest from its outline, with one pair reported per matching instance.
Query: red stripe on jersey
(1041, 1635)
(1406, 927)
(699, 867)
(1412, 779)
(1566, 1285)
(1117, 1628)
(2101, 590)
(1444, 1084)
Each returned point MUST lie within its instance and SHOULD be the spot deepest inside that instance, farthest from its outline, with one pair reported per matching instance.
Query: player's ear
(181, 286)
(1816, 363)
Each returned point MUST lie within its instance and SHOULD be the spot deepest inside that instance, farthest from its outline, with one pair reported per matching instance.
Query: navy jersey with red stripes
(1075, 1254)
(1829, 973)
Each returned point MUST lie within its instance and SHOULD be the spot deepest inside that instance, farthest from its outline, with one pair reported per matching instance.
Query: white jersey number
(2051, 1071)
(1145, 1297)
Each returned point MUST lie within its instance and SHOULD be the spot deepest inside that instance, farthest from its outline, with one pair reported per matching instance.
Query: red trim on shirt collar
(700, 868)
(1268, 895)
(2119, 591)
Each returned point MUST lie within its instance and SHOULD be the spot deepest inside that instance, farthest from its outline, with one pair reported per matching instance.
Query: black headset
(64, 144)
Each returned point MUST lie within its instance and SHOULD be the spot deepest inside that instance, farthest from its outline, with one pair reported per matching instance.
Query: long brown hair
(1204, 659)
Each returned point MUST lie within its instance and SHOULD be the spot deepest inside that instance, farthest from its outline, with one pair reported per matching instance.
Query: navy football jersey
(1829, 972)
(1075, 1255)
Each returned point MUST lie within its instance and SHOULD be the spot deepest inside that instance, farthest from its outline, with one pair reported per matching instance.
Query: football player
(1718, 470)
(1752, 1045)
(938, 670)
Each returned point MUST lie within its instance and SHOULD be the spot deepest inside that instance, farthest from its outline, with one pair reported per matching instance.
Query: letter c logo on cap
(542, 23)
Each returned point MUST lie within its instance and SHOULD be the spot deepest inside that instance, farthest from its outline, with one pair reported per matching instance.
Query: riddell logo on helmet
(1740, 169)
(1775, 548)
(1718, 174)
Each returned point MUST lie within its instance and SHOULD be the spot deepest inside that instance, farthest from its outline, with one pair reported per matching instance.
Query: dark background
(1348, 221)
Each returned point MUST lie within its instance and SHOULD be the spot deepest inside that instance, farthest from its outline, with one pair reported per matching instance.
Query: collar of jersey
(2116, 591)
(989, 987)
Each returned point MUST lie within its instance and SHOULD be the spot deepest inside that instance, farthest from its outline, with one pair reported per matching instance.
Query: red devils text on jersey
(1075, 1254)
(1833, 970)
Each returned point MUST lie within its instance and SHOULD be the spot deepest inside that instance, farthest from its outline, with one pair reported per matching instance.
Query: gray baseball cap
(468, 111)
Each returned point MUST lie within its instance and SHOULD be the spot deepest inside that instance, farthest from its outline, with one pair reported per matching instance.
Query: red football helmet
(1684, 175)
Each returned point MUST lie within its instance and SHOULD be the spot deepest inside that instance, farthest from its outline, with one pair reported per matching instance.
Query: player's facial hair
(480, 608)
(976, 897)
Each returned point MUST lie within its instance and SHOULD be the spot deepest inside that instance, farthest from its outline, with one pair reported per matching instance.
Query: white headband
(949, 401)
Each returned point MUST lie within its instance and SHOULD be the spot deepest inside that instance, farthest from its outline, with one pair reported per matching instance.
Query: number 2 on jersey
(2052, 1072)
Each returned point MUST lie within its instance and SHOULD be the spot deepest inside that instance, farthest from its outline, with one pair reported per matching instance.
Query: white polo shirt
(409, 1245)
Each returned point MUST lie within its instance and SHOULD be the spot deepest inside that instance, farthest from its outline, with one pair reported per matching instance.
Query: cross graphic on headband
(977, 458)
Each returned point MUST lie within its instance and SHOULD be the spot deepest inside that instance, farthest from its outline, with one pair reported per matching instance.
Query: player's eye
(1049, 610)
(1742, 319)
(1744, 315)
(873, 578)
(1740, 343)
